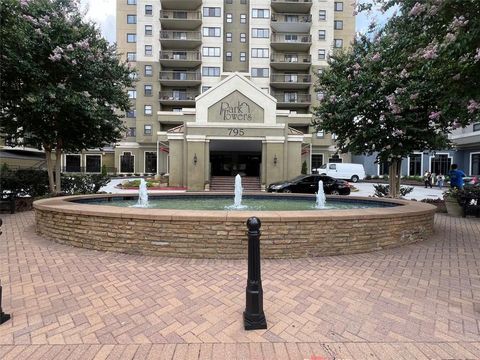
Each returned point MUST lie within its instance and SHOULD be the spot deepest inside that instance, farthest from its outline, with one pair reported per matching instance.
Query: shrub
(304, 167)
(23, 182)
(83, 183)
(104, 170)
(383, 190)
(368, 177)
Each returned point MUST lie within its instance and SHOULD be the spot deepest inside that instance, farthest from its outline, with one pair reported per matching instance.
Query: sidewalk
(420, 301)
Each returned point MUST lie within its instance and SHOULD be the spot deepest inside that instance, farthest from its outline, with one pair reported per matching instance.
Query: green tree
(61, 82)
(385, 96)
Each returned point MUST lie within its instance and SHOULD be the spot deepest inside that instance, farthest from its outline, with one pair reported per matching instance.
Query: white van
(347, 171)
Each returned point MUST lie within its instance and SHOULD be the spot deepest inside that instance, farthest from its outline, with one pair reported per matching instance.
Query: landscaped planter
(453, 207)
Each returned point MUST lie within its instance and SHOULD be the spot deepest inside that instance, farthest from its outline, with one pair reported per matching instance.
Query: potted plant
(452, 202)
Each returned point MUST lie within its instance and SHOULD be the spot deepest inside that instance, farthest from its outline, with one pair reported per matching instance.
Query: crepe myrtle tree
(62, 84)
(390, 95)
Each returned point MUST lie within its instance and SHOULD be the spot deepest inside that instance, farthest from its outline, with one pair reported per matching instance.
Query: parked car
(347, 171)
(308, 184)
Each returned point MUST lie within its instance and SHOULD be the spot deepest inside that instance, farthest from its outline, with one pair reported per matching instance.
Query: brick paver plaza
(420, 301)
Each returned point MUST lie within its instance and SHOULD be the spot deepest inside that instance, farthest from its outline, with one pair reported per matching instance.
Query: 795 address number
(236, 132)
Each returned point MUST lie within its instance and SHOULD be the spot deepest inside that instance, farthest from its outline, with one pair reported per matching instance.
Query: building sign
(235, 108)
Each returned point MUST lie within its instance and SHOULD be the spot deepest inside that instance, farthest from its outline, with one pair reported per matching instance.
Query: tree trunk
(48, 157)
(58, 170)
(394, 178)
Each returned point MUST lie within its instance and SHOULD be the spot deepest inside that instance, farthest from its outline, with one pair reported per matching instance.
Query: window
(127, 162)
(243, 37)
(176, 109)
(243, 18)
(211, 31)
(261, 13)
(260, 33)
(322, 34)
(211, 12)
(440, 164)
(338, 6)
(131, 132)
(338, 24)
(228, 1)
(72, 163)
(322, 15)
(148, 90)
(148, 9)
(132, 94)
(205, 88)
(229, 18)
(475, 164)
(320, 134)
(93, 163)
(317, 160)
(243, 1)
(290, 96)
(150, 162)
(210, 71)
(131, 19)
(243, 56)
(148, 50)
(338, 43)
(290, 38)
(321, 54)
(148, 70)
(131, 2)
(148, 30)
(131, 56)
(476, 127)
(335, 159)
(131, 114)
(260, 72)
(320, 95)
(133, 75)
(147, 109)
(260, 53)
(228, 37)
(147, 129)
(131, 38)
(415, 167)
(228, 56)
(211, 51)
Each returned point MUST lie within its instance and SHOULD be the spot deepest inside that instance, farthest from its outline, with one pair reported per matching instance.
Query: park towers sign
(236, 107)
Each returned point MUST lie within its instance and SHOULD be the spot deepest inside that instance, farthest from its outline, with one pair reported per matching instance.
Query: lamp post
(253, 316)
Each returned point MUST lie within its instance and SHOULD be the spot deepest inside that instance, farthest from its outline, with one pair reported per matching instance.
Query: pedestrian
(456, 177)
(440, 180)
(427, 178)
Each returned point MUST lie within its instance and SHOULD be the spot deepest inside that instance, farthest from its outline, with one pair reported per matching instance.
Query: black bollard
(3, 317)
(253, 316)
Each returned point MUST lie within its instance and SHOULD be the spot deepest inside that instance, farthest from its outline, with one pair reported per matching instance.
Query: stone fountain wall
(221, 234)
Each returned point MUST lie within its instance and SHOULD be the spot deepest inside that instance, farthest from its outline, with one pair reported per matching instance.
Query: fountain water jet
(142, 194)
(320, 204)
(237, 202)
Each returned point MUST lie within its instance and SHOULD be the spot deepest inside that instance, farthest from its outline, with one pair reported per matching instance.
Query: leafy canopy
(60, 80)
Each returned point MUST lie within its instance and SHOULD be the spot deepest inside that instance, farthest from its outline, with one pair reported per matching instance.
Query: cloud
(103, 13)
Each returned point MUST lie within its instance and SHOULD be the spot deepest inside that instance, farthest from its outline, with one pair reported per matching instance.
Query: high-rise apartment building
(226, 86)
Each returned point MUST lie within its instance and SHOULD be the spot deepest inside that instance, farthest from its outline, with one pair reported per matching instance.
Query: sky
(103, 13)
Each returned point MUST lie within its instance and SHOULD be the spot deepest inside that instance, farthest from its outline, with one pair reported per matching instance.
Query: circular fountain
(205, 225)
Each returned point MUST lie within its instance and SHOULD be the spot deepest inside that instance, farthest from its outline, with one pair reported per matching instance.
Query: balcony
(180, 59)
(180, 39)
(180, 4)
(180, 19)
(180, 78)
(296, 6)
(290, 100)
(292, 61)
(291, 41)
(288, 22)
(178, 98)
(290, 81)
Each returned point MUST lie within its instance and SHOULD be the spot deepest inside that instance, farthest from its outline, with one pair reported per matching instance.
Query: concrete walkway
(420, 301)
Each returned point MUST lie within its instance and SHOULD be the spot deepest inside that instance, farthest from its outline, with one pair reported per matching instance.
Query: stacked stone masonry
(189, 234)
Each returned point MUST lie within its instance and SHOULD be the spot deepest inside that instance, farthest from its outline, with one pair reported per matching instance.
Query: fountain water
(320, 204)
(142, 194)
(237, 202)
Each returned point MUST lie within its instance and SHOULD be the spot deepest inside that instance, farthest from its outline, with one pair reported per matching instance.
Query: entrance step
(227, 183)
